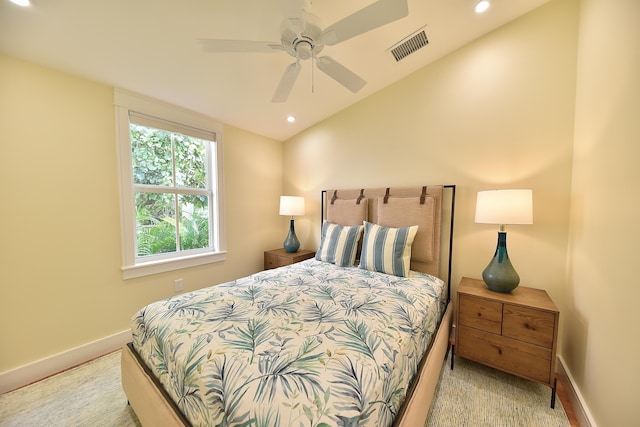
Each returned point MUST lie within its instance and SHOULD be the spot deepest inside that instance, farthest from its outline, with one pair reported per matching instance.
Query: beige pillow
(347, 211)
(406, 211)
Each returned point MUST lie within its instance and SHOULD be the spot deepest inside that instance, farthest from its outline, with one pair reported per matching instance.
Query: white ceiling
(149, 47)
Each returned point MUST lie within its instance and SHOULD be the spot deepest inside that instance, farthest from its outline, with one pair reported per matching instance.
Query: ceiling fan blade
(340, 73)
(286, 82)
(373, 16)
(295, 25)
(222, 46)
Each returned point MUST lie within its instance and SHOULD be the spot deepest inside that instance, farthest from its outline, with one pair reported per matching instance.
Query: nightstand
(279, 257)
(514, 332)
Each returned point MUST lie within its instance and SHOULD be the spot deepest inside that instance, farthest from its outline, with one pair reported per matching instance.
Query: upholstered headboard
(425, 206)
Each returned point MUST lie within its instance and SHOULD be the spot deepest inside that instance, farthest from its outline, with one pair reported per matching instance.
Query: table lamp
(291, 206)
(503, 207)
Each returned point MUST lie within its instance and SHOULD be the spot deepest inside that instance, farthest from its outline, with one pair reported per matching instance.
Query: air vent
(410, 45)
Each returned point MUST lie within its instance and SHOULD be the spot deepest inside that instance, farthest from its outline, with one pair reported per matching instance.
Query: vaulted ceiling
(150, 47)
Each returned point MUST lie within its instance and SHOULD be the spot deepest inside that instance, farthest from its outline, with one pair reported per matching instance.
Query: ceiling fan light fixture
(304, 49)
(482, 6)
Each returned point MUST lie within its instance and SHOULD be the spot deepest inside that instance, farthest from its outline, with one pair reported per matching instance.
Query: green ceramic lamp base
(499, 275)
(291, 243)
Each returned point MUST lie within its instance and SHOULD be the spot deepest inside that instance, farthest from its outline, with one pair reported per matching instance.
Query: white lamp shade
(504, 207)
(291, 205)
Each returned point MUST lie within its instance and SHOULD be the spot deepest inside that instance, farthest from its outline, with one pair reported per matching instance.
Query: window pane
(194, 222)
(155, 223)
(170, 180)
(191, 158)
(151, 156)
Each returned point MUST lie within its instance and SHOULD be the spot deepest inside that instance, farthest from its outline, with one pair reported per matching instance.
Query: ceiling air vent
(410, 45)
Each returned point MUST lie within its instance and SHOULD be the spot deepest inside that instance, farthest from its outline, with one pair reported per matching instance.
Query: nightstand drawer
(513, 356)
(282, 261)
(270, 261)
(279, 257)
(533, 326)
(480, 314)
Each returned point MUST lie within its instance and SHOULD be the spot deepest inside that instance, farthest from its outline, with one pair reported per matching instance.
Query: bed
(355, 336)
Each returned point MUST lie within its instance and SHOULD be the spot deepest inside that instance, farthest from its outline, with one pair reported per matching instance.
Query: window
(170, 176)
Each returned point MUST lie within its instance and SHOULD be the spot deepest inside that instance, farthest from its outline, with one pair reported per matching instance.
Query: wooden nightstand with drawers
(279, 257)
(514, 332)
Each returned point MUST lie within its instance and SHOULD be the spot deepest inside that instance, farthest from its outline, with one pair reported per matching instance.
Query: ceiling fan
(303, 38)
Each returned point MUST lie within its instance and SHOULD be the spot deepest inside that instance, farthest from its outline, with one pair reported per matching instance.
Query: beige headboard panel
(396, 207)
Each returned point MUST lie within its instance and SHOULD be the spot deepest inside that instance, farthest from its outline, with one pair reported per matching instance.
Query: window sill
(163, 266)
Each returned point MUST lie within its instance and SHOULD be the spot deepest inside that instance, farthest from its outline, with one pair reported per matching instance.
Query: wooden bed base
(154, 408)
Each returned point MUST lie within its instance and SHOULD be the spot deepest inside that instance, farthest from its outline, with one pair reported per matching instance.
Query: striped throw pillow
(339, 243)
(386, 249)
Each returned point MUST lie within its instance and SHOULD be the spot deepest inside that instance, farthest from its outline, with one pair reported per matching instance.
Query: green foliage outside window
(163, 164)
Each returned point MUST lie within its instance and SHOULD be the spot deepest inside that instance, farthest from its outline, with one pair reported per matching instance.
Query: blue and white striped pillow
(339, 243)
(387, 250)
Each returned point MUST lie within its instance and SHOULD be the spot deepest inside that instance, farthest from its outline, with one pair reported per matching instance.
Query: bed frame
(154, 407)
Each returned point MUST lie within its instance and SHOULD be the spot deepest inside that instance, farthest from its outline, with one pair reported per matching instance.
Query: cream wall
(602, 288)
(498, 113)
(549, 102)
(60, 253)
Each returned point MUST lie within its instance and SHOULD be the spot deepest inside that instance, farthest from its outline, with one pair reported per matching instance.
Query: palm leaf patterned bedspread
(310, 344)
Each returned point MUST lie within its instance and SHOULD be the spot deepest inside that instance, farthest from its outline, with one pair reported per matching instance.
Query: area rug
(475, 395)
(88, 395)
(470, 395)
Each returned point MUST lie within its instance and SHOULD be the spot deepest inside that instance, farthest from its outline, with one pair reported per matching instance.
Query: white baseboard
(582, 410)
(43, 368)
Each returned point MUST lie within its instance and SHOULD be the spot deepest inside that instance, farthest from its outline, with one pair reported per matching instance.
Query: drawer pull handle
(499, 349)
(526, 325)
(479, 314)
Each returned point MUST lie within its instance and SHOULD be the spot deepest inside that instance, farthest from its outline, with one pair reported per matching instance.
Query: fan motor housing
(302, 39)
(304, 48)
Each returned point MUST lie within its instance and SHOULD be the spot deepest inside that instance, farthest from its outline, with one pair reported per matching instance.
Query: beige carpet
(91, 395)
(479, 396)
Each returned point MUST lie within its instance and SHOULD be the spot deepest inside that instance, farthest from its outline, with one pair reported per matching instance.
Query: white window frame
(133, 266)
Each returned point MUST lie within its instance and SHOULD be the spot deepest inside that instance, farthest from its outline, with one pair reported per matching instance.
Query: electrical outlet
(177, 285)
